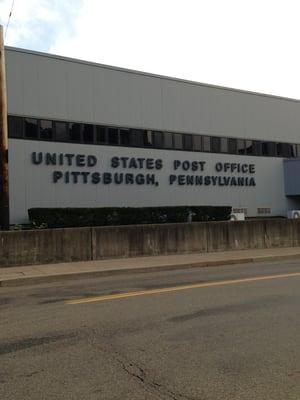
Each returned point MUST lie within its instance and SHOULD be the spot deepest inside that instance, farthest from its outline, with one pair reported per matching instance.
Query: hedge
(76, 217)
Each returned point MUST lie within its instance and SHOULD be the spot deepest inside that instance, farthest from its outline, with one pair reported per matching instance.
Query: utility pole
(4, 188)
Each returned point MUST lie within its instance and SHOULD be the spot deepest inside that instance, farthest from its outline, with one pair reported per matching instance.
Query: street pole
(4, 189)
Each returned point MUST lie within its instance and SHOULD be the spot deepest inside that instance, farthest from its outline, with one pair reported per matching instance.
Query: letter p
(57, 175)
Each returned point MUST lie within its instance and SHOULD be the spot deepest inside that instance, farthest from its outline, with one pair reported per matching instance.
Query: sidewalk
(28, 275)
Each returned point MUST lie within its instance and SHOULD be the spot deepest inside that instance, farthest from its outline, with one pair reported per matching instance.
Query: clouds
(250, 44)
(35, 23)
(244, 44)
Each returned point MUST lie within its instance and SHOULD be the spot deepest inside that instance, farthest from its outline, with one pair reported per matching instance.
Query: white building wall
(32, 185)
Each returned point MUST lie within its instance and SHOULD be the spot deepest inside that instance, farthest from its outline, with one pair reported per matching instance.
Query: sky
(245, 44)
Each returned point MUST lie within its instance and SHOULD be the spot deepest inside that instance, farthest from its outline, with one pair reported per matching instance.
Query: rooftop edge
(143, 73)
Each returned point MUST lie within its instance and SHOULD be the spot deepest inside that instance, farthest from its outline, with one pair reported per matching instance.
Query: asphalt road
(225, 337)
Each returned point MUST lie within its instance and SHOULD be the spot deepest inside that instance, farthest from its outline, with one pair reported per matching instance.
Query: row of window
(40, 129)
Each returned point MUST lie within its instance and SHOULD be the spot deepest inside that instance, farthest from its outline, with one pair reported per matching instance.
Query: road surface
(215, 333)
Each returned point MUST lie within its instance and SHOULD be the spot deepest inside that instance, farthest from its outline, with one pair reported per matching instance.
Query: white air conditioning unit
(293, 214)
(237, 217)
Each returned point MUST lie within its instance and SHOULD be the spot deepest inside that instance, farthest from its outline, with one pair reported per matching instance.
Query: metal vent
(263, 210)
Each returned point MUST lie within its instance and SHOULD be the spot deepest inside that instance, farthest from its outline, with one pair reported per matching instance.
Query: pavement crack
(158, 389)
(133, 370)
(30, 374)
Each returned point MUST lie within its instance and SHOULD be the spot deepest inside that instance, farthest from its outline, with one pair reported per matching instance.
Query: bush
(75, 217)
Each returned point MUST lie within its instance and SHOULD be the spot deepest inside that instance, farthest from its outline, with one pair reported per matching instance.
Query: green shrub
(75, 217)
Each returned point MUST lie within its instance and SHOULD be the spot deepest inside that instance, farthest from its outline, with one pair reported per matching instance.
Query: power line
(9, 17)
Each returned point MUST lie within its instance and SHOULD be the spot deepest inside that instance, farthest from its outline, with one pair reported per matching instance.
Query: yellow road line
(178, 288)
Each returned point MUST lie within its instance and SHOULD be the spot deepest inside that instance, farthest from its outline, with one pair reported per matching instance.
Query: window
(148, 140)
(15, 127)
(168, 140)
(31, 128)
(136, 137)
(100, 134)
(224, 145)
(206, 143)
(268, 149)
(241, 148)
(232, 146)
(294, 150)
(197, 142)
(215, 145)
(188, 142)
(257, 148)
(125, 137)
(157, 139)
(284, 150)
(61, 131)
(75, 132)
(46, 130)
(249, 147)
(177, 140)
(88, 133)
(113, 135)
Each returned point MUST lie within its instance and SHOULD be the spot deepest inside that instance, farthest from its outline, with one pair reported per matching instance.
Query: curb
(34, 280)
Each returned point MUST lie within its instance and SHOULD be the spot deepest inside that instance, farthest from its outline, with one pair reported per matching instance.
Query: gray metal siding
(46, 86)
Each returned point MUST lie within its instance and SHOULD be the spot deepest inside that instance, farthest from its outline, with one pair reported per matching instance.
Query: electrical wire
(9, 17)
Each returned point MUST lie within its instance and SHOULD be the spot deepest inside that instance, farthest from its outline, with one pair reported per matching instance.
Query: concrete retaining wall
(44, 246)
(83, 244)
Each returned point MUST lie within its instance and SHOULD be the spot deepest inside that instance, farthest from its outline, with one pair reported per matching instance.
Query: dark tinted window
(15, 127)
(241, 148)
(61, 132)
(268, 148)
(75, 132)
(215, 145)
(294, 150)
(136, 137)
(177, 141)
(288, 150)
(168, 140)
(31, 128)
(206, 142)
(101, 134)
(257, 148)
(284, 150)
(197, 142)
(46, 130)
(224, 145)
(125, 137)
(232, 146)
(188, 142)
(148, 139)
(249, 147)
(157, 139)
(113, 135)
(88, 133)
